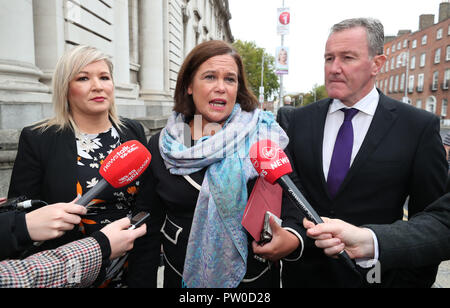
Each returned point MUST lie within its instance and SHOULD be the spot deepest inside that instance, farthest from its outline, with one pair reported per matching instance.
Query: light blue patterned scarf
(216, 255)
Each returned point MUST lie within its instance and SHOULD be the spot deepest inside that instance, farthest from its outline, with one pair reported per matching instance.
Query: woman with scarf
(198, 183)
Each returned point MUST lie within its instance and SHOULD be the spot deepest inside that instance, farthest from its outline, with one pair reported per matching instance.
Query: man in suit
(360, 154)
(421, 241)
(284, 113)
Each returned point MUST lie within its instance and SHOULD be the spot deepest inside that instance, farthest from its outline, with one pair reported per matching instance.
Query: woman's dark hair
(183, 101)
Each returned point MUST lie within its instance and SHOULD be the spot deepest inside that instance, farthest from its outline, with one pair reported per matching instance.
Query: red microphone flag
(125, 164)
(269, 160)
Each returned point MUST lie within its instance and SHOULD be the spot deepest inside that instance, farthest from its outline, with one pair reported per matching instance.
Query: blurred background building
(146, 39)
(417, 70)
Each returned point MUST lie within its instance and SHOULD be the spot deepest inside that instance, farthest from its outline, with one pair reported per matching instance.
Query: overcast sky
(256, 20)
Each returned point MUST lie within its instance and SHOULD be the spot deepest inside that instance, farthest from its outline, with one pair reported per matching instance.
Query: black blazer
(45, 167)
(421, 241)
(402, 155)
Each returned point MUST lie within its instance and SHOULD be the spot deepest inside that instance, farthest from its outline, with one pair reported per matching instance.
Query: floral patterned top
(112, 204)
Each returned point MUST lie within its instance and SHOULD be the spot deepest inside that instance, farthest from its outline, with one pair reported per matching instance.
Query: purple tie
(342, 153)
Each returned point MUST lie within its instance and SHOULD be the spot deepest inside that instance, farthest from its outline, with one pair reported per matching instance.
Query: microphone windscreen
(125, 164)
(269, 160)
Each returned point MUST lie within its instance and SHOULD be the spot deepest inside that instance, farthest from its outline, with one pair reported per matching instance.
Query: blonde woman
(59, 158)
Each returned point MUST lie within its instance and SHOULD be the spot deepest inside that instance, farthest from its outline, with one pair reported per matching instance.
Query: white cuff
(301, 243)
(370, 262)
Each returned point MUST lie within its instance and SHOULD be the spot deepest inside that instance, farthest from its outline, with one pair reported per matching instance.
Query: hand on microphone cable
(120, 238)
(282, 244)
(335, 235)
(53, 220)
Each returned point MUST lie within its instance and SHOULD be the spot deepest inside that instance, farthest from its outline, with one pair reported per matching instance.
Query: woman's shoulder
(41, 130)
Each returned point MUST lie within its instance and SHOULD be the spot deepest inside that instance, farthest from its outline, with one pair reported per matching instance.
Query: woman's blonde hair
(68, 66)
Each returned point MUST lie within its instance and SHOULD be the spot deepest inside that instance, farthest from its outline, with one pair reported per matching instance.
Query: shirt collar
(367, 104)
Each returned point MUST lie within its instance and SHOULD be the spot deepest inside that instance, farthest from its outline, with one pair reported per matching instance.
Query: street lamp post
(261, 88)
(405, 98)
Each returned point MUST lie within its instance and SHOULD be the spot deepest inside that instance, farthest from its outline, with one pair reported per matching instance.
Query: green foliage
(252, 57)
(320, 93)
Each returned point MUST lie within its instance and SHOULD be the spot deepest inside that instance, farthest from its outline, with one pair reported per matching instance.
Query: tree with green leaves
(252, 57)
(316, 94)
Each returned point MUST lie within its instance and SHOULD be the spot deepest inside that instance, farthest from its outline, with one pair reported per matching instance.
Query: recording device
(270, 161)
(120, 168)
(266, 234)
(138, 219)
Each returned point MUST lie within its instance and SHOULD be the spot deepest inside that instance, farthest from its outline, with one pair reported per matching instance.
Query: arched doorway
(431, 104)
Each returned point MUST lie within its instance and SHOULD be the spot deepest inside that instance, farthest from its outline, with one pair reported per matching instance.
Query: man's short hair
(374, 29)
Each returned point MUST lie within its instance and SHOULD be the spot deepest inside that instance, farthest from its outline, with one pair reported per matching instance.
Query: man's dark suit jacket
(284, 115)
(402, 155)
(46, 166)
(421, 241)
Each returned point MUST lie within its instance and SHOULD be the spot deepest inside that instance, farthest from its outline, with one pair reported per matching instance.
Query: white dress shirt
(361, 123)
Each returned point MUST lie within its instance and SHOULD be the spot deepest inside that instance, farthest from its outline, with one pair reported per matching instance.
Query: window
(414, 44)
(411, 84)
(387, 51)
(393, 48)
(399, 45)
(396, 83)
(392, 63)
(399, 60)
(444, 107)
(434, 86)
(385, 85)
(413, 62)
(387, 66)
(448, 32)
(420, 80)
(405, 43)
(437, 56)
(424, 39)
(447, 57)
(446, 79)
(423, 58)
(391, 83)
(439, 34)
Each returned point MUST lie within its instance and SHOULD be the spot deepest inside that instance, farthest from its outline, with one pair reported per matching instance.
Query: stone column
(19, 77)
(48, 36)
(121, 43)
(153, 57)
(126, 92)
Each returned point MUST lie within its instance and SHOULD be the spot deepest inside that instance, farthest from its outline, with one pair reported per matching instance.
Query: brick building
(417, 69)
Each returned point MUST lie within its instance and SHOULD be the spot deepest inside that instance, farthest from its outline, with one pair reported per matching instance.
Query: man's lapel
(318, 126)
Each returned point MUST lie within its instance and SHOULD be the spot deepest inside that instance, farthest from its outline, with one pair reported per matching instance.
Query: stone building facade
(146, 39)
(418, 65)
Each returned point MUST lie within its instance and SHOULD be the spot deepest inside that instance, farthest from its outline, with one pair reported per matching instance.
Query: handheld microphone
(120, 168)
(270, 161)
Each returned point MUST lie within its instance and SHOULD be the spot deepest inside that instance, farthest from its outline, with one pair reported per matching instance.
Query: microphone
(120, 168)
(270, 161)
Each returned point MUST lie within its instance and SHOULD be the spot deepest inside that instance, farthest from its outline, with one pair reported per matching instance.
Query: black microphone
(271, 161)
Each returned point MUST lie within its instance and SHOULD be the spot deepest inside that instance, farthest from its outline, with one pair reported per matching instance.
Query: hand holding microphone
(271, 161)
(120, 168)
